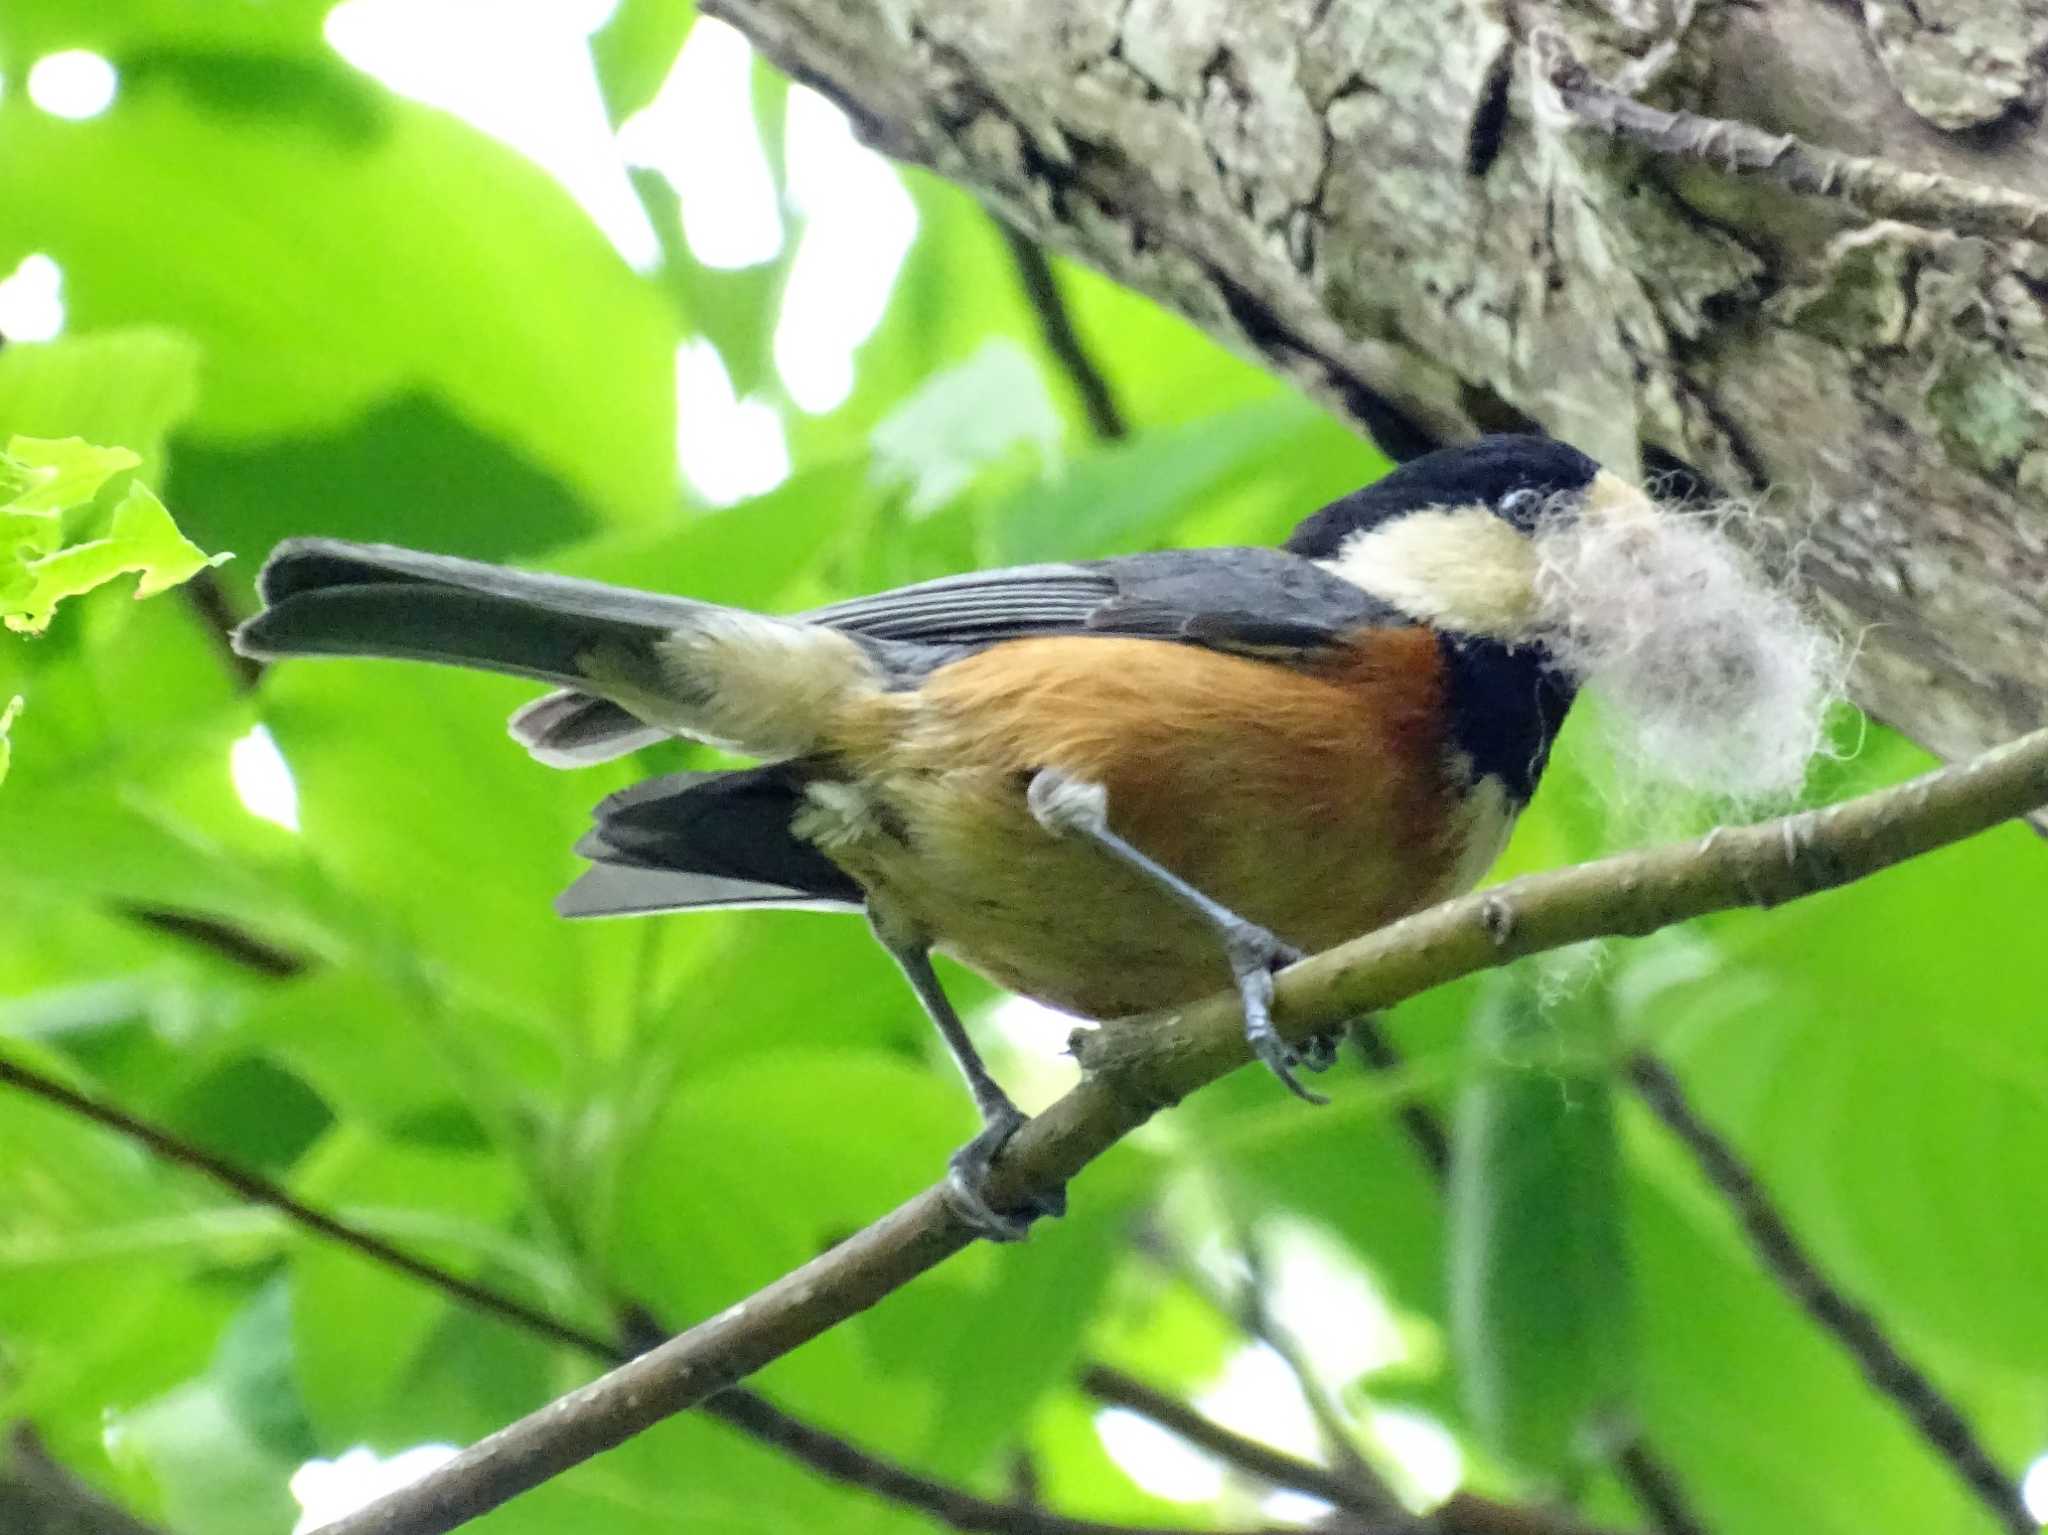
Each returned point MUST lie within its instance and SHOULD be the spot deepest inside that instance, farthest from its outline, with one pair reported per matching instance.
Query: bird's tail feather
(635, 666)
(326, 597)
(567, 729)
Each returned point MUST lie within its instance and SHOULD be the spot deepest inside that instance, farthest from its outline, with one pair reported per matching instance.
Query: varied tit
(1111, 786)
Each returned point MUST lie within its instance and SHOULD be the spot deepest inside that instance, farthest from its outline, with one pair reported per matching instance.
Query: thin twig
(1463, 1513)
(39, 1497)
(260, 1191)
(1248, 1309)
(1656, 1488)
(957, 1510)
(206, 597)
(1145, 1064)
(1056, 325)
(237, 945)
(1879, 188)
(1924, 1404)
(1422, 1124)
(1648, 1477)
(822, 1452)
(1114, 1388)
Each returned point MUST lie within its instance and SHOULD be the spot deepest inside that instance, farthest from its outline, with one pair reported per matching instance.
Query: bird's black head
(1450, 539)
(1514, 477)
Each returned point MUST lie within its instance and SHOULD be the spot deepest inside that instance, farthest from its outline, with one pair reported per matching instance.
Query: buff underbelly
(1319, 805)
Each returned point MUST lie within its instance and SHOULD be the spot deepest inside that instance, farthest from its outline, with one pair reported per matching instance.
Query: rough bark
(1380, 200)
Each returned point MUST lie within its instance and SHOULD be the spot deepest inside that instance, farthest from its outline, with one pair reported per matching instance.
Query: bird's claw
(1255, 955)
(967, 1183)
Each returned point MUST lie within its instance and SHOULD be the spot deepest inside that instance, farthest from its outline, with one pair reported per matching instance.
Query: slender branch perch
(1142, 1065)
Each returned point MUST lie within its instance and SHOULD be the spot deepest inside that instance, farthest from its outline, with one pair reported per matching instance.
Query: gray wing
(1262, 602)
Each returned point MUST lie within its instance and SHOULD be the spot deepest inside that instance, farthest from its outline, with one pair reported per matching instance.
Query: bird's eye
(1519, 506)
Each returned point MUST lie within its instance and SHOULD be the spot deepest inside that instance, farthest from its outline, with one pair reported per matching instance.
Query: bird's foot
(1255, 956)
(967, 1181)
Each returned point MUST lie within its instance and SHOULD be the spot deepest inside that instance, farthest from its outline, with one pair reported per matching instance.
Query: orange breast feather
(1312, 801)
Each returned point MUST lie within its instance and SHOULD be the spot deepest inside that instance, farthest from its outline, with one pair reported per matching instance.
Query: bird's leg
(1070, 806)
(967, 1172)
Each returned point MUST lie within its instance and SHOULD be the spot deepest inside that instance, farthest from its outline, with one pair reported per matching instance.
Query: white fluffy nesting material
(1713, 677)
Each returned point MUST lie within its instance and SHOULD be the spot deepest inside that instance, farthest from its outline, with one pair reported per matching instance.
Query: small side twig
(1878, 188)
(1929, 1410)
(206, 597)
(1056, 325)
(237, 945)
(1248, 1307)
(957, 1510)
(1463, 1513)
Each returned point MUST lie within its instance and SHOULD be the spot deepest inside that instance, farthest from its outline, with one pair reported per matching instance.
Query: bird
(1112, 785)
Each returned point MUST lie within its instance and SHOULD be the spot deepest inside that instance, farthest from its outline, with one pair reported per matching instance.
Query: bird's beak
(1614, 501)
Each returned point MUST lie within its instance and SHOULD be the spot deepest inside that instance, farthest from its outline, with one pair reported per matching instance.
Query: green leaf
(325, 269)
(634, 51)
(37, 571)
(143, 539)
(56, 476)
(1125, 494)
(209, 1470)
(1768, 1422)
(1539, 1301)
(31, 28)
(351, 1392)
(992, 408)
(127, 386)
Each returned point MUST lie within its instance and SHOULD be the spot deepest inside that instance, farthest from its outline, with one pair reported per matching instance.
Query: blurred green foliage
(308, 305)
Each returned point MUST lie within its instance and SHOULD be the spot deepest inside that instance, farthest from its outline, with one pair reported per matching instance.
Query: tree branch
(1245, 1307)
(1880, 188)
(1925, 1406)
(260, 1191)
(1142, 1065)
(1056, 325)
(206, 597)
(1463, 1513)
(39, 1497)
(820, 1451)
(237, 945)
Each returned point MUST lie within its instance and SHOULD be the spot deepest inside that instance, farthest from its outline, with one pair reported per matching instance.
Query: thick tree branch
(1926, 1407)
(1142, 1065)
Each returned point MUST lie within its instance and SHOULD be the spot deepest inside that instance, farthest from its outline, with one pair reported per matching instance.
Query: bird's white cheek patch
(1714, 677)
